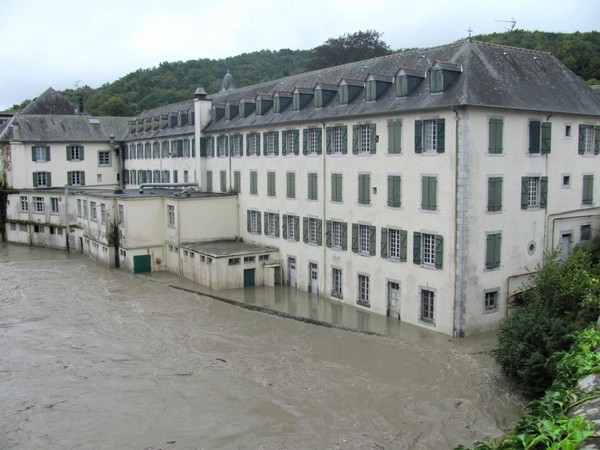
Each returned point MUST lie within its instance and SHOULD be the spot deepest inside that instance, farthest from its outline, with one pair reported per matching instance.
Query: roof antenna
(470, 31)
(512, 22)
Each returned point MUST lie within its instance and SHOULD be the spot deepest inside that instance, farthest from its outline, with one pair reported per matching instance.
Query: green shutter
(81, 154)
(276, 138)
(495, 136)
(82, 178)
(372, 241)
(328, 233)
(364, 185)
(345, 139)
(581, 148)
(534, 136)
(439, 251)
(284, 142)
(259, 227)
(319, 231)
(265, 140)
(48, 179)
(305, 229)
(319, 141)
(344, 236)
(266, 223)
(394, 193)
(417, 247)
(355, 237)
(284, 227)
(494, 200)
(355, 139)
(297, 227)
(68, 154)
(373, 138)
(277, 225)
(35, 181)
(588, 190)
(305, 141)
(418, 136)
(296, 142)
(403, 243)
(47, 149)
(596, 142)
(493, 251)
(546, 137)
(441, 135)
(248, 220)
(429, 193)
(524, 192)
(328, 140)
(394, 136)
(34, 156)
(543, 192)
(384, 242)
(69, 179)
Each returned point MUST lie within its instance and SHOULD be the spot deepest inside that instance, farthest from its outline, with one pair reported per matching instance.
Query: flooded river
(93, 358)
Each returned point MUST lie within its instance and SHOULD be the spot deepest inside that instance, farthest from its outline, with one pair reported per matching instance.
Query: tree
(348, 48)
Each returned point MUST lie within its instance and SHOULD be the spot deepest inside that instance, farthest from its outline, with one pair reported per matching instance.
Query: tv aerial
(512, 22)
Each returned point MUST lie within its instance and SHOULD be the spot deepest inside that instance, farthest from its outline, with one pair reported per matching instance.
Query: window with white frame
(75, 153)
(254, 221)
(337, 231)
(312, 230)
(253, 141)
(271, 143)
(428, 246)
(363, 290)
(313, 141)
(222, 146)
(76, 178)
(38, 204)
(586, 140)
(54, 205)
(236, 145)
(427, 313)
(291, 142)
(93, 211)
(171, 215)
(291, 230)
(41, 179)
(40, 153)
(104, 158)
(273, 224)
(85, 209)
(393, 243)
(490, 301)
(534, 192)
(336, 282)
(364, 139)
(429, 135)
(364, 244)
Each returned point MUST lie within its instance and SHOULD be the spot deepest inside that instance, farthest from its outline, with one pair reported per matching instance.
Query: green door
(141, 264)
(249, 277)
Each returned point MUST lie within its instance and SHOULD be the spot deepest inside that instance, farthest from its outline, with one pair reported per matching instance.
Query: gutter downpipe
(460, 230)
(324, 152)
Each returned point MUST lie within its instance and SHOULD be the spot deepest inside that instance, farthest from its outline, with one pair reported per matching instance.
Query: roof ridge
(512, 47)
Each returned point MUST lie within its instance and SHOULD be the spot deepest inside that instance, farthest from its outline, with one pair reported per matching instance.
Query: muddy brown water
(93, 358)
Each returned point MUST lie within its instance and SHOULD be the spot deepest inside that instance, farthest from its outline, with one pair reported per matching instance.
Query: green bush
(563, 297)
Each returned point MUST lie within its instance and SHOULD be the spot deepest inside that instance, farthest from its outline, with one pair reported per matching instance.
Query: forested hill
(175, 81)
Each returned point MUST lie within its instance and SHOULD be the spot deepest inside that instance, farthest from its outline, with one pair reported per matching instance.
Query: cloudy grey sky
(64, 43)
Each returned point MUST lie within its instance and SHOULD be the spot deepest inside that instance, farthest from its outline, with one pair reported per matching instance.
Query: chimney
(200, 94)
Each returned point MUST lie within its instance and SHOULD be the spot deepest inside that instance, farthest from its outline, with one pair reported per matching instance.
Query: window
(93, 211)
(222, 147)
(364, 189)
(337, 140)
(428, 249)
(38, 228)
(42, 179)
(540, 134)
(437, 81)
(343, 94)
(312, 141)
(495, 127)
(393, 244)
(253, 182)
(430, 136)
(336, 282)
(234, 261)
(290, 181)
(534, 192)
(24, 204)
(140, 151)
(236, 145)
(363, 290)
(394, 191)
(54, 205)
(586, 232)
(313, 232)
(364, 139)
(23, 227)
(74, 152)
(121, 215)
(429, 193)
(427, 306)
(290, 140)
(493, 243)
(79, 208)
(223, 180)
(85, 209)
(363, 239)
(148, 150)
(155, 153)
(76, 178)
(587, 197)
(209, 181)
(253, 219)
(102, 213)
(104, 159)
(272, 224)
(371, 90)
(271, 184)
(402, 86)
(171, 215)
(253, 144)
(38, 204)
(237, 181)
(494, 195)
(40, 153)
(589, 140)
(263, 257)
(166, 176)
(249, 259)
(175, 176)
(490, 301)
(336, 187)
(291, 230)
(312, 186)
(271, 143)
(394, 136)
(337, 231)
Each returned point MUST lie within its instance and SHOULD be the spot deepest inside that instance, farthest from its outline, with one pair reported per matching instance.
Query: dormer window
(343, 94)
(217, 113)
(318, 98)
(281, 101)
(376, 85)
(301, 97)
(371, 90)
(441, 75)
(323, 94)
(437, 80)
(407, 80)
(172, 120)
(231, 111)
(296, 101)
(246, 107)
(263, 104)
(348, 89)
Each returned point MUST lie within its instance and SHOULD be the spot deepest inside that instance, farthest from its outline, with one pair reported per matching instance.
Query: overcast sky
(64, 43)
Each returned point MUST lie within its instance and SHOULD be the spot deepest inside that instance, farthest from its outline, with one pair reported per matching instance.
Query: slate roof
(186, 105)
(65, 128)
(50, 102)
(492, 76)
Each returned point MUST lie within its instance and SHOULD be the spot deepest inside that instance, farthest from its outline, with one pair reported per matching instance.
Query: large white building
(425, 185)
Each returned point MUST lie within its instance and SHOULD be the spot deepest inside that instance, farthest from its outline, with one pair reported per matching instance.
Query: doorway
(249, 277)
(313, 273)
(292, 277)
(393, 299)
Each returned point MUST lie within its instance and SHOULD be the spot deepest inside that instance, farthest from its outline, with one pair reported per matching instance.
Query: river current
(94, 358)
